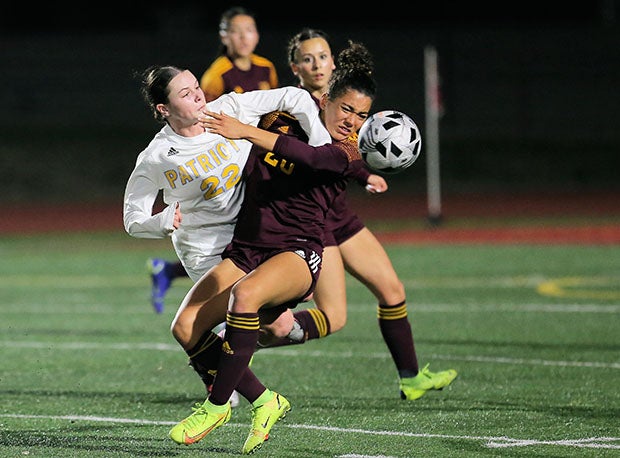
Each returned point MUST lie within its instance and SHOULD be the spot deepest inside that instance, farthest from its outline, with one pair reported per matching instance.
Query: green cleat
(206, 418)
(412, 388)
(263, 418)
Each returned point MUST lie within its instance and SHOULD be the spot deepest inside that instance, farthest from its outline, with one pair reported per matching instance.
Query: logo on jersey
(172, 152)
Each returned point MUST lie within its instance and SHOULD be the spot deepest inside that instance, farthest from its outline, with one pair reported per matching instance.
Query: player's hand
(178, 217)
(376, 184)
(221, 123)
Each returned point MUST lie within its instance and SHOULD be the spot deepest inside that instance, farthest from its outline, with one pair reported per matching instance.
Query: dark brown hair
(354, 70)
(154, 86)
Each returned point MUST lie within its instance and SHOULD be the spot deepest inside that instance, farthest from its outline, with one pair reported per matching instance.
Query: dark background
(530, 89)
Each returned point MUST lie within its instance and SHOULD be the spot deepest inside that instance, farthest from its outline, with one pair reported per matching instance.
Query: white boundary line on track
(315, 353)
(490, 441)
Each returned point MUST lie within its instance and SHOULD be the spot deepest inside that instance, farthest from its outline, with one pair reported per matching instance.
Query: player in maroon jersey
(351, 245)
(274, 258)
(237, 68)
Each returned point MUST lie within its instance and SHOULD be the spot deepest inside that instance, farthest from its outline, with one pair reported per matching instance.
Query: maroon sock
(314, 323)
(396, 332)
(250, 387)
(237, 350)
(309, 324)
(205, 356)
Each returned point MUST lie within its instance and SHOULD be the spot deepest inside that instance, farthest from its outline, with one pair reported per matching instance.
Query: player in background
(352, 246)
(238, 69)
(274, 259)
(198, 173)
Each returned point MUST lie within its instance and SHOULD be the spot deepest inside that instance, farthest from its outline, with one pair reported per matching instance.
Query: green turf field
(89, 370)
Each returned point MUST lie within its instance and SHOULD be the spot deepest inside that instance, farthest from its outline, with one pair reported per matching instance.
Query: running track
(598, 214)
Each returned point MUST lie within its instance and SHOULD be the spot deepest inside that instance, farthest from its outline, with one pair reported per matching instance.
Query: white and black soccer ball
(389, 141)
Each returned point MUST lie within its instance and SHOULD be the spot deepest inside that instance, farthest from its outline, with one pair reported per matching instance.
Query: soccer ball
(389, 141)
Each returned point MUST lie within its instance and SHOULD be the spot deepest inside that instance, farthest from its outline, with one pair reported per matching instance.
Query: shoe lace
(426, 372)
(436, 376)
(199, 410)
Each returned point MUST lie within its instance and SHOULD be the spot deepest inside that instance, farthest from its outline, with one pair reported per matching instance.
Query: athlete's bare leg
(365, 258)
(330, 294)
(206, 303)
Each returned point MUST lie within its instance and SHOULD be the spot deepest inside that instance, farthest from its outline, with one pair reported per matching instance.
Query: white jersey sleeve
(249, 106)
(140, 194)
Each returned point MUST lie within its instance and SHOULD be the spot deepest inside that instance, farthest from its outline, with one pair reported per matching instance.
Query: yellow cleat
(412, 388)
(263, 418)
(206, 418)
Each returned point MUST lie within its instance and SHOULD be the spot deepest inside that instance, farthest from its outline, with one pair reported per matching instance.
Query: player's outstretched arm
(229, 127)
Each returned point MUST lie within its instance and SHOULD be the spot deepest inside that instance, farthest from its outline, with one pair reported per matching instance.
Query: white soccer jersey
(202, 175)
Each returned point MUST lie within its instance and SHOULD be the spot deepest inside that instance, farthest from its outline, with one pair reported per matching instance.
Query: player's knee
(181, 330)
(242, 298)
(391, 292)
(399, 290)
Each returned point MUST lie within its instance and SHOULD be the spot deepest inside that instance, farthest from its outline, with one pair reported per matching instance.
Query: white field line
(348, 455)
(285, 352)
(489, 441)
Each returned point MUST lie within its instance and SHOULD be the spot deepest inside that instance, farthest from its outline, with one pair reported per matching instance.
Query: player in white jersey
(199, 173)
(202, 178)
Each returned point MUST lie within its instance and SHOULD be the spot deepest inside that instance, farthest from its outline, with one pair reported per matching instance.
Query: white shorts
(199, 249)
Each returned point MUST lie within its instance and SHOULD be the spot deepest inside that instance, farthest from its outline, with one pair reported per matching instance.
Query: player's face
(241, 38)
(186, 101)
(345, 115)
(314, 64)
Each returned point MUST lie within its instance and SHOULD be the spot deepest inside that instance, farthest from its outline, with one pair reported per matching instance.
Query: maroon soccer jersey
(290, 189)
(223, 77)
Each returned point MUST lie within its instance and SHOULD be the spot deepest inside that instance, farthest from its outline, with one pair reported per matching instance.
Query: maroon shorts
(341, 224)
(249, 257)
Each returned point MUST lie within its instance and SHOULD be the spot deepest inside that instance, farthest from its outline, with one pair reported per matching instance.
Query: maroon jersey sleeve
(332, 157)
(359, 172)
